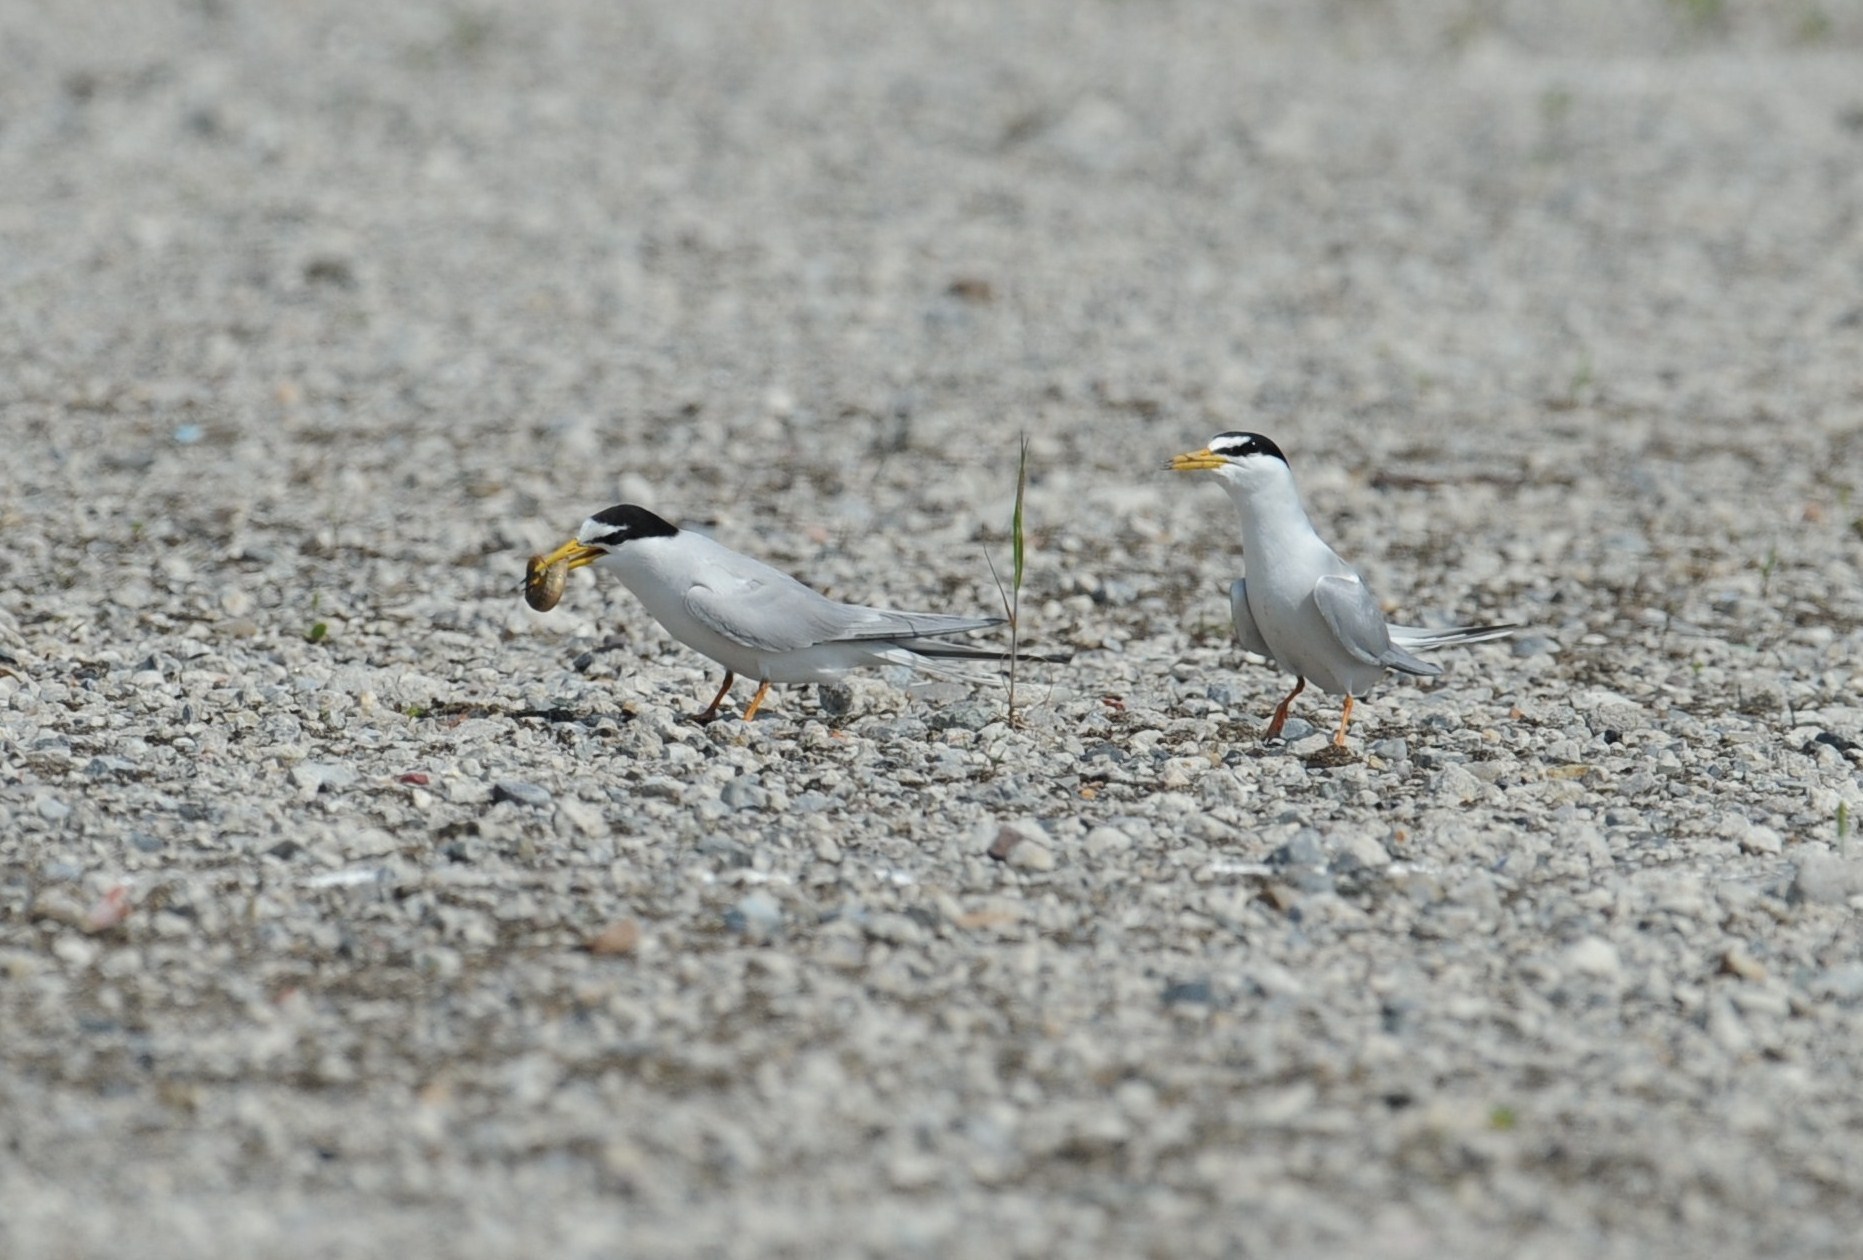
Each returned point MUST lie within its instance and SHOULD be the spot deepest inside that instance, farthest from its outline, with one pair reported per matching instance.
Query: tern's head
(607, 532)
(1242, 460)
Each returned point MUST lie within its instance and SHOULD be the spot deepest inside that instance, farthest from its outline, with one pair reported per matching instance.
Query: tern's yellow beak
(1197, 461)
(573, 553)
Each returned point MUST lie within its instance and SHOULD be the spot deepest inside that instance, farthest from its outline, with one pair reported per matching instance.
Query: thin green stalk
(1015, 582)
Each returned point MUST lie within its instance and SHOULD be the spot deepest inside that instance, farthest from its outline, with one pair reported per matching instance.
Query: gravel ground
(348, 907)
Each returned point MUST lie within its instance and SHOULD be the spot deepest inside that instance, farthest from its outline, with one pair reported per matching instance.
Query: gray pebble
(321, 776)
(758, 917)
(1530, 645)
(1827, 879)
(1302, 850)
(521, 793)
(743, 793)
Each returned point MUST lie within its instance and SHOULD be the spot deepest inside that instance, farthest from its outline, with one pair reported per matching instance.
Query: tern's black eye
(625, 521)
(1242, 445)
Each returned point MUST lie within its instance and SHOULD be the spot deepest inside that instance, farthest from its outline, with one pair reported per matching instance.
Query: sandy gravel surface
(348, 907)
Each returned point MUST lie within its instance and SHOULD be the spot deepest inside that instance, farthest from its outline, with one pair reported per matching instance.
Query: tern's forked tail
(1419, 639)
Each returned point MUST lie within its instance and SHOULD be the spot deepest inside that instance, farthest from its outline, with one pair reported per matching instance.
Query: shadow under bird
(750, 618)
(1300, 605)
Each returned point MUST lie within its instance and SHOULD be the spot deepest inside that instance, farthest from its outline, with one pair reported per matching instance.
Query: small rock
(1535, 645)
(51, 809)
(1303, 850)
(75, 950)
(1391, 749)
(1032, 855)
(464, 791)
(1102, 841)
(972, 715)
(108, 910)
(520, 793)
(1840, 984)
(1619, 716)
(1023, 845)
(1594, 956)
(1726, 1027)
(319, 776)
(1361, 852)
(1457, 785)
(742, 793)
(1826, 879)
(1736, 961)
(894, 929)
(757, 917)
(579, 818)
(1188, 993)
(1761, 841)
(620, 938)
(827, 849)
(100, 766)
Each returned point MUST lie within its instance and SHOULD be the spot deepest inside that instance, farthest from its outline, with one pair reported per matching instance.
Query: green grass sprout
(1012, 596)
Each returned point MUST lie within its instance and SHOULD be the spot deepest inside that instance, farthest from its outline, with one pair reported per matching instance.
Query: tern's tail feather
(1418, 639)
(938, 650)
(958, 662)
(887, 623)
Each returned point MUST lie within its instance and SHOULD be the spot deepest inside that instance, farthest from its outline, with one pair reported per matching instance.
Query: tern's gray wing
(1248, 634)
(769, 615)
(750, 603)
(1352, 614)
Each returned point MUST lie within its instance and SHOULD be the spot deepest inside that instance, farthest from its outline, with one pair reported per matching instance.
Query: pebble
(1023, 845)
(1593, 956)
(1456, 785)
(521, 793)
(320, 776)
(741, 793)
(1361, 852)
(1823, 878)
(757, 917)
(620, 938)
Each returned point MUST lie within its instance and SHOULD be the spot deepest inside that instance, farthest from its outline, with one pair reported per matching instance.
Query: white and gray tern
(1300, 605)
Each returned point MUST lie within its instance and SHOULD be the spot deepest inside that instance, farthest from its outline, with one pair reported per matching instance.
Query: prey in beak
(546, 576)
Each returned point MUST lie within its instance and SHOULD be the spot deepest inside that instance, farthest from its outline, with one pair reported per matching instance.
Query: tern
(748, 617)
(1301, 606)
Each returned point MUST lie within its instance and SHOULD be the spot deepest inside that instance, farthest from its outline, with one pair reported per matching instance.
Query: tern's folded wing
(770, 615)
(773, 612)
(1352, 614)
(1355, 619)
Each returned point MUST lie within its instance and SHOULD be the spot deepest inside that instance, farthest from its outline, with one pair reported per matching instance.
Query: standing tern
(1301, 606)
(750, 618)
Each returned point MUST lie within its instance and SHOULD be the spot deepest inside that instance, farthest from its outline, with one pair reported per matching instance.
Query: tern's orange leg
(1280, 710)
(756, 702)
(711, 710)
(1345, 720)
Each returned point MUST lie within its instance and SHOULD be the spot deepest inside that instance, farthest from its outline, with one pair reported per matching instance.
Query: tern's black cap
(624, 522)
(1242, 445)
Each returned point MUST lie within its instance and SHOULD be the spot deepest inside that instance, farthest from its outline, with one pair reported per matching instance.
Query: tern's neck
(1272, 515)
